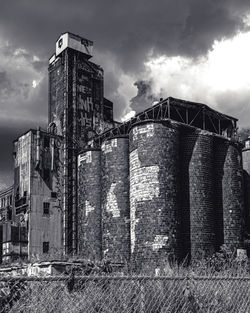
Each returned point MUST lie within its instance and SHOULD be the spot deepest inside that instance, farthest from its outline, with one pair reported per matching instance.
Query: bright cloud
(34, 83)
(224, 70)
(128, 116)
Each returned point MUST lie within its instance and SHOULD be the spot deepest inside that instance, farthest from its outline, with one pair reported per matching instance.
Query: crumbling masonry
(165, 185)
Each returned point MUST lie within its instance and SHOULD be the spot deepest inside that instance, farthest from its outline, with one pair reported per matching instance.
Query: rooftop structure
(75, 42)
(189, 113)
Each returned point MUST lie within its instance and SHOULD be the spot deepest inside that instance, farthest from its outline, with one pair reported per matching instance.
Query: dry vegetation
(219, 284)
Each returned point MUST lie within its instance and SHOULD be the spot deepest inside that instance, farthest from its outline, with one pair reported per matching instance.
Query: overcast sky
(197, 50)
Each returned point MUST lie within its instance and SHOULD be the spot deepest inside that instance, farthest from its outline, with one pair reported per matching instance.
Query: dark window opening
(45, 247)
(52, 128)
(46, 174)
(60, 42)
(46, 142)
(53, 194)
(46, 206)
(9, 215)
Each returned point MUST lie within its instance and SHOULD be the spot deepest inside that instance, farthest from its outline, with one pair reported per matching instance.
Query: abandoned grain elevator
(165, 185)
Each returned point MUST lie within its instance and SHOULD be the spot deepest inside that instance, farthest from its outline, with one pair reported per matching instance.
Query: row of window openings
(6, 201)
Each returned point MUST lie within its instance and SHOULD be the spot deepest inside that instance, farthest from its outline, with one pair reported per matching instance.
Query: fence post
(71, 281)
(142, 297)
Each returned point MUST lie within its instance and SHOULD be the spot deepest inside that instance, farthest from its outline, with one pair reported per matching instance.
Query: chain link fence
(124, 294)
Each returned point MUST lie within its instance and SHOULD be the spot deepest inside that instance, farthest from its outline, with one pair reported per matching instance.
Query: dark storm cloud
(129, 29)
(5, 84)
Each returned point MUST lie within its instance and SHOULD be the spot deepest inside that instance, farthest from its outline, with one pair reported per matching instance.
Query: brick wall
(154, 180)
(197, 166)
(115, 200)
(172, 191)
(89, 206)
(233, 201)
(220, 152)
(246, 167)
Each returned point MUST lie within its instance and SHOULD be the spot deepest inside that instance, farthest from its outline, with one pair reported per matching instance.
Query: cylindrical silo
(246, 170)
(115, 199)
(233, 198)
(197, 192)
(89, 204)
(220, 152)
(154, 191)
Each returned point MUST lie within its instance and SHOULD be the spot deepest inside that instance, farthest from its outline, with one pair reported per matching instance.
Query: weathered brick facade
(164, 185)
(154, 186)
(115, 200)
(89, 206)
(197, 164)
(220, 151)
(178, 194)
(233, 198)
(246, 174)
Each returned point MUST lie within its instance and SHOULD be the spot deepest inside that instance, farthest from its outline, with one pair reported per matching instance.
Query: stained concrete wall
(39, 166)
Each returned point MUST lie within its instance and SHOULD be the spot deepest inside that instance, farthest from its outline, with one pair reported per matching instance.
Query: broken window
(45, 247)
(46, 142)
(46, 206)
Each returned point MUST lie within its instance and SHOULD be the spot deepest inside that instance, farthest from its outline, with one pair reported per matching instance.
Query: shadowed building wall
(246, 175)
(89, 206)
(233, 198)
(197, 156)
(115, 199)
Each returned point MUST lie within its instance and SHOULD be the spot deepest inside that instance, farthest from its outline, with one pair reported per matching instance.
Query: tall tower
(246, 167)
(75, 112)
